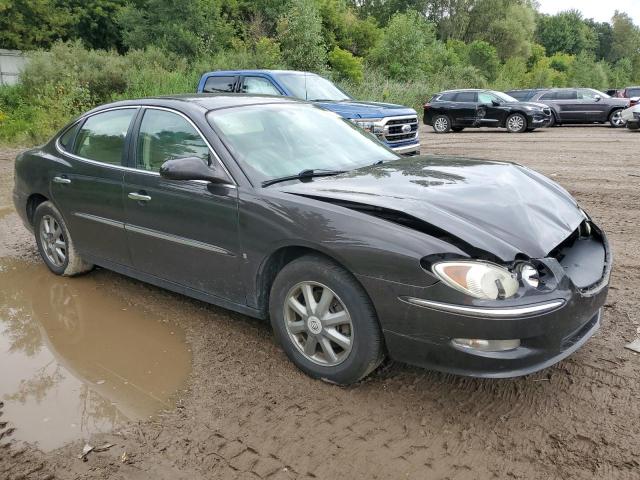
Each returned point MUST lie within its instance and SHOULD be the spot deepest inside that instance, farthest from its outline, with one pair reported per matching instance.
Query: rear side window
(165, 135)
(466, 97)
(567, 95)
(219, 84)
(521, 95)
(66, 140)
(446, 97)
(259, 85)
(102, 136)
(549, 96)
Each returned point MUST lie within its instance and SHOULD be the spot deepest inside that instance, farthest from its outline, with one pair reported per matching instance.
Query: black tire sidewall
(367, 349)
(43, 209)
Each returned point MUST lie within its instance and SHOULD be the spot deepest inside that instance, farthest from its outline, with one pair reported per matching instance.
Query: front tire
(615, 119)
(55, 244)
(325, 321)
(516, 123)
(441, 124)
(633, 125)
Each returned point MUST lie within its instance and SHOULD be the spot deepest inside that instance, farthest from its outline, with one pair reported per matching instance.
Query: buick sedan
(280, 210)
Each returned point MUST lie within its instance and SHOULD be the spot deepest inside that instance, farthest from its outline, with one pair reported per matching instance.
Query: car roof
(258, 71)
(457, 90)
(202, 102)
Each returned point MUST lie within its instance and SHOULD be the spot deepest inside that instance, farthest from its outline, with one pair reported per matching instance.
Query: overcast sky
(600, 10)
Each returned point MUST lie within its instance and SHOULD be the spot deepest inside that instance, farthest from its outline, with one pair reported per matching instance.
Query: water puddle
(76, 360)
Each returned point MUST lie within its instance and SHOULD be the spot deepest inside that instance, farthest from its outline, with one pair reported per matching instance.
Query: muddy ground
(246, 412)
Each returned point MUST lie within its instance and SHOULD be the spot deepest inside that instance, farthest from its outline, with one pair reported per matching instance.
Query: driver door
(493, 114)
(184, 232)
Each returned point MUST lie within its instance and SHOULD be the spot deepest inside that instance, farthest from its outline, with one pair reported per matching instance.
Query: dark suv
(455, 110)
(583, 105)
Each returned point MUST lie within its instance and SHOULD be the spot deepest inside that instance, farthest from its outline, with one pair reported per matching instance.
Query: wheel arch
(278, 259)
(33, 202)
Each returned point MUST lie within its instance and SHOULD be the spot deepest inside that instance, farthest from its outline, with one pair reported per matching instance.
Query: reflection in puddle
(74, 360)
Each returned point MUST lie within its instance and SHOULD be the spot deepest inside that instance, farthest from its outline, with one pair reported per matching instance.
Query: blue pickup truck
(394, 125)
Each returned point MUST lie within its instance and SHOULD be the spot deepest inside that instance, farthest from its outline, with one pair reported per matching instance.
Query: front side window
(484, 97)
(308, 86)
(273, 141)
(164, 136)
(587, 94)
(259, 85)
(102, 136)
(219, 84)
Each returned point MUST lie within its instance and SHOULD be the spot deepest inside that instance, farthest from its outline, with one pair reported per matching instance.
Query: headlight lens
(478, 279)
(372, 125)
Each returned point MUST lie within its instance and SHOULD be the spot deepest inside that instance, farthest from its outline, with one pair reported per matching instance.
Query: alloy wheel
(515, 123)
(616, 119)
(53, 242)
(441, 124)
(318, 323)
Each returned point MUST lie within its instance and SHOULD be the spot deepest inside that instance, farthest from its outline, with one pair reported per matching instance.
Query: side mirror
(495, 103)
(597, 98)
(191, 168)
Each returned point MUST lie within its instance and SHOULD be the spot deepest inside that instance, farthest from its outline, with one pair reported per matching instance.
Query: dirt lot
(246, 412)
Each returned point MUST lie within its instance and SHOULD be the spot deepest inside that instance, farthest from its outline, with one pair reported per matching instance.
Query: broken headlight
(479, 279)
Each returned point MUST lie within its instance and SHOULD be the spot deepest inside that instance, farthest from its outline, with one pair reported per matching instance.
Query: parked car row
(522, 110)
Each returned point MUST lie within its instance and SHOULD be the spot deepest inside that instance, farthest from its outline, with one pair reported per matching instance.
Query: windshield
(308, 86)
(274, 141)
(504, 97)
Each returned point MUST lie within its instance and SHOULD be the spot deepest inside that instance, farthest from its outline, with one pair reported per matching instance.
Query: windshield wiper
(309, 173)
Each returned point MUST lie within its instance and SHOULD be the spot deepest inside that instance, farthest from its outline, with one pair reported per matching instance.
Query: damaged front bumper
(422, 325)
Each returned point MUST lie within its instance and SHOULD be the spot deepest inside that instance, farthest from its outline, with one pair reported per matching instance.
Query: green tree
(484, 57)
(300, 35)
(188, 28)
(345, 65)
(566, 32)
(31, 24)
(403, 50)
(625, 37)
(95, 23)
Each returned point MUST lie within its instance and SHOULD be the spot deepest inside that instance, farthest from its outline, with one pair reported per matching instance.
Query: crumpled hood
(356, 109)
(501, 208)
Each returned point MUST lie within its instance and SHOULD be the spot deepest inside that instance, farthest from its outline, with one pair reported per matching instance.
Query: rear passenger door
(184, 232)
(258, 85)
(569, 107)
(465, 109)
(87, 188)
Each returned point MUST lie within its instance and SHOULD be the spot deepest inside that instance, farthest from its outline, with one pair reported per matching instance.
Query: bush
(345, 65)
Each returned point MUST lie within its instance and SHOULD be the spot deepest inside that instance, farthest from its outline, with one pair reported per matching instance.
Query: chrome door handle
(63, 180)
(139, 197)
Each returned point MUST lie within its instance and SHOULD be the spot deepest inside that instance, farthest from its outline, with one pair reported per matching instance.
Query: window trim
(134, 130)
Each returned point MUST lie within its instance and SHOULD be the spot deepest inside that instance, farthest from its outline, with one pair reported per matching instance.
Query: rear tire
(516, 123)
(336, 338)
(55, 244)
(615, 119)
(441, 124)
